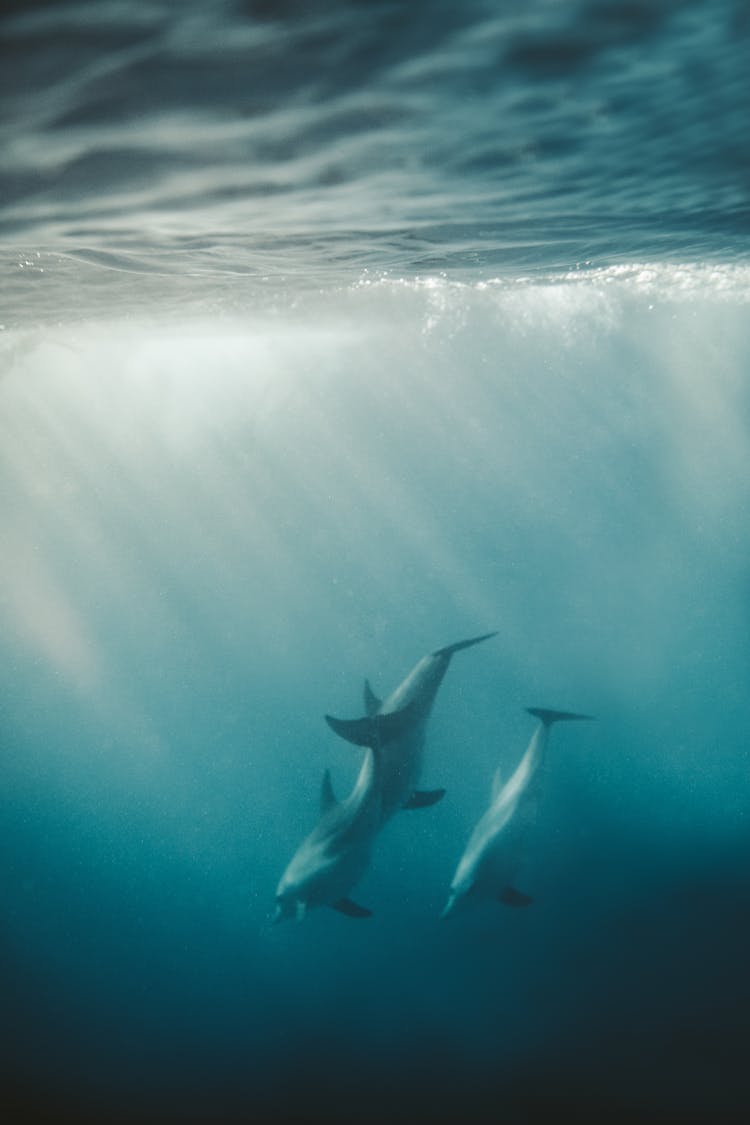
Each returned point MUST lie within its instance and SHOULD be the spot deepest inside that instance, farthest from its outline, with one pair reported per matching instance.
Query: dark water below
(332, 334)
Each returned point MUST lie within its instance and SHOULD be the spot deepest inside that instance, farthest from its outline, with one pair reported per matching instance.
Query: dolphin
(403, 752)
(336, 854)
(493, 855)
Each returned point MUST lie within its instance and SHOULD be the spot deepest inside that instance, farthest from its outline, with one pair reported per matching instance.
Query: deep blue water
(332, 334)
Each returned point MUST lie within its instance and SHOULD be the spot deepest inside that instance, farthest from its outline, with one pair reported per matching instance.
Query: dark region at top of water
(346, 129)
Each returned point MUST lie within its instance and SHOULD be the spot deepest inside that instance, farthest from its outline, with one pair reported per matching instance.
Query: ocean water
(333, 334)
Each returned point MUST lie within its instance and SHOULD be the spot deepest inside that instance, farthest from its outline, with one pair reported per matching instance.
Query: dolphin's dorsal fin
(351, 909)
(423, 798)
(372, 703)
(327, 796)
(497, 783)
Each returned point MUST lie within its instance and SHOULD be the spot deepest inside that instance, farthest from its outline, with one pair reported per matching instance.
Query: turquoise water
(331, 337)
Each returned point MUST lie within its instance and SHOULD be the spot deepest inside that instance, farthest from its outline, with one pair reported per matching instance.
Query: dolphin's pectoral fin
(351, 909)
(372, 703)
(423, 798)
(511, 897)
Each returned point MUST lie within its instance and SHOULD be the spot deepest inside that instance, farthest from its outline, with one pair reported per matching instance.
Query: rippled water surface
(291, 143)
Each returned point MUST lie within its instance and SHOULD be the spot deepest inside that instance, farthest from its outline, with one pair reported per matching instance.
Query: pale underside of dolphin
(335, 855)
(403, 753)
(496, 849)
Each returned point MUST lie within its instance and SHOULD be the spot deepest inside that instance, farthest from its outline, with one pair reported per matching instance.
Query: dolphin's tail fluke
(361, 732)
(373, 730)
(450, 649)
(549, 717)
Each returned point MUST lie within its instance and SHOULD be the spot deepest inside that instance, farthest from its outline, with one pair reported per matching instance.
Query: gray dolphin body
(334, 857)
(495, 851)
(403, 751)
